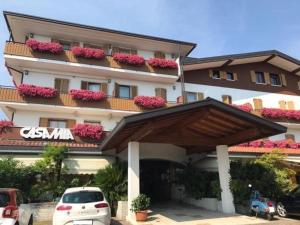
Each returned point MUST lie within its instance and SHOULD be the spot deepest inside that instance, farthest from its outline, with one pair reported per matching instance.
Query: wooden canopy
(197, 126)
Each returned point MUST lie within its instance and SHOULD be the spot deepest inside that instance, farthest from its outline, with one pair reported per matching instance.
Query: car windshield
(83, 197)
(4, 199)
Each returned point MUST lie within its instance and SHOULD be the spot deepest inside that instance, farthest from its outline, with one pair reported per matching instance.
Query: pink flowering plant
(91, 131)
(287, 143)
(88, 53)
(87, 95)
(163, 63)
(129, 59)
(36, 91)
(5, 125)
(49, 47)
(247, 107)
(273, 113)
(149, 102)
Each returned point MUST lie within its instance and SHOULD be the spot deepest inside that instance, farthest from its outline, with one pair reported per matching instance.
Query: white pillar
(133, 174)
(223, 167)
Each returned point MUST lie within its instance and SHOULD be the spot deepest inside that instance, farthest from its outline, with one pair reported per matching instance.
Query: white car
(82, 206)
(12, 208)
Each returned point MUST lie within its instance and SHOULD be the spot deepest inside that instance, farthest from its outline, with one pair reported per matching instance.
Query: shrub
(163, 63)
(140, 203)
(89, 131)
(5, 125)
(149, 102)
(134, 60)
(87, 95)
(88, 53)
(49, 47)
(37, 91)
(113, 182)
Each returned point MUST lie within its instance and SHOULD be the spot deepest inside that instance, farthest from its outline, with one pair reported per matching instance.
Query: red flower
(288, 143)
(5, 125)
(39, 46)
(87, 95)
(89, 131)
(280, 114)
(149, 102)
(256, 144)
(135, 60)
(37, 91)
(247, 107)
(163, 63)
(88, 52)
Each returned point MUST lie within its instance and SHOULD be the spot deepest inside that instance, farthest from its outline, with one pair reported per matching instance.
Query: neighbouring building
(157, 107)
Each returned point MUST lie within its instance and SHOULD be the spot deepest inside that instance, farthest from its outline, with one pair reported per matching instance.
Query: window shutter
(160, 55)
(106, 49)
(282, 104)
(133, 91)
(223, 75)
(226, 99)
(235, 76)
(84, 85)
(57, 84)
(116, 90)
(200, 96)
(64, 86)
(298, 85)
(253, 76)
(71, 123)
(290, 136)
(115, 50)
(290, 105)
(210, 73)
(133, 51)
(44, 122)
(104, 87)
(258, 103)
(283, 80)
(267, 77)
(161, 92)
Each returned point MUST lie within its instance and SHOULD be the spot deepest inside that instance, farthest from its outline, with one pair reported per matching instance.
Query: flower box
(5, 125)
(87, 95)
(272, 113)
(247, 107)
(37, 91)
(88, 53)
(288, 143)
(149, 102)
(90, 131)
(48, 47)
(134, 60)
(163, 63)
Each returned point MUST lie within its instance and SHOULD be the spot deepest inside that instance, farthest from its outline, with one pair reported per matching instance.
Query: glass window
(275, 79)
(82, 197)
(93, 86)
(216, 74)
(92, 122)
(66, 45)
(260, 78)
(229, 76)
(124, 91)
(19, 198)
(191, 96)
(4, 199)
(57, 123)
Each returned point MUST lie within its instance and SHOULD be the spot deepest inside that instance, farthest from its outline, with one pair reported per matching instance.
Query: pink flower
(87, 95)
(88, 52)
(280, 114)
(5, 125)
(37, 91)
(149, 102)
(247, 107)
(163, 63)
(39, 46)
(89, 131)
(256, 144)
(135, 60)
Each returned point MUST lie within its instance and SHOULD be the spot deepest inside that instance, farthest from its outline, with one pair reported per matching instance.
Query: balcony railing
(8, 94)
(20, 49)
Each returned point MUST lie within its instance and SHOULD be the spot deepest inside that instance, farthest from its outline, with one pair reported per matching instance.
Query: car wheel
(30, 220)
(281, 210)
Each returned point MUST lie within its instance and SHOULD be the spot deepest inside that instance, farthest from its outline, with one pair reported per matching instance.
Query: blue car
(261, 206)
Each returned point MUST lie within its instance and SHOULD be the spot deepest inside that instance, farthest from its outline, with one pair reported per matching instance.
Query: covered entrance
(198, 127)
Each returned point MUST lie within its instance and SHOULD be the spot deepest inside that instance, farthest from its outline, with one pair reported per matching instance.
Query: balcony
(11, 95)
(18, 54)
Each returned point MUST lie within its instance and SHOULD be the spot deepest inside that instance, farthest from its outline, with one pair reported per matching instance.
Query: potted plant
(140, 206)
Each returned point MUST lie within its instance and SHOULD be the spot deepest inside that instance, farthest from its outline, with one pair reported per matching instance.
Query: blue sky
(217, 26)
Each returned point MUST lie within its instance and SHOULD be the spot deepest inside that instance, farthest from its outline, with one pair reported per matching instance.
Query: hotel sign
(43, 133)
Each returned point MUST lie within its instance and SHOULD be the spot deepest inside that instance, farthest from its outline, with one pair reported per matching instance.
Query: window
(83, 197)
(124, 91)
(65, 44)
(216, 74)
(275, 79)
(191, 96)
(229, 76)
(85, 45)
(290, 136)
(4, 199)
(260, 78)
(62, 85)
(19, 198)
(57, 123)
(94, 86)
(93, 122)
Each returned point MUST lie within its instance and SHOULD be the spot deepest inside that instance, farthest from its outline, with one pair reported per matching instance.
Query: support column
(133, 174)
(223, 167)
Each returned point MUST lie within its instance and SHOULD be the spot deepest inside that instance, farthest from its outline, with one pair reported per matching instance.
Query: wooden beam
(296, 70)
(270, 57)
(227, 63)
(238, 136)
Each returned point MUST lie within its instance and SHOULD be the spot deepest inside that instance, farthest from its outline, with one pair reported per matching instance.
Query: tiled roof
(238, 149)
